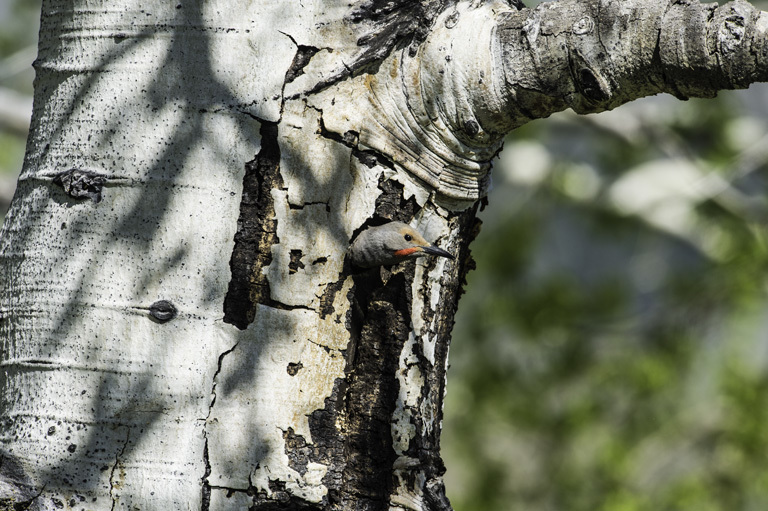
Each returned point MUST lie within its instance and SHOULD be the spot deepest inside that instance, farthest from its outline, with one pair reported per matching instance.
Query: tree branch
(596, 55)
(441, 113)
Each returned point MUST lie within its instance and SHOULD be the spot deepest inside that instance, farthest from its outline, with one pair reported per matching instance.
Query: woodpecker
(390, 243)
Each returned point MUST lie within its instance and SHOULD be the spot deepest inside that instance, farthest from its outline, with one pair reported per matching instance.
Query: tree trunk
(180, 326)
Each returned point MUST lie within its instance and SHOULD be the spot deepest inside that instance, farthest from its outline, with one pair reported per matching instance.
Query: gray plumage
(390, 243)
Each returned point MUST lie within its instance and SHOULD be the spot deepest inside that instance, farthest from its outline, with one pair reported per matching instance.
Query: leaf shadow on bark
(116, 426)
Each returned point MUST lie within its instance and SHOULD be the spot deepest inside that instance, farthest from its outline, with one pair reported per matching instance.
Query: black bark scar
(256, 233)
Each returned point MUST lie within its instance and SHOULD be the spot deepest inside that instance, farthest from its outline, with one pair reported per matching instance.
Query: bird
(389, 244)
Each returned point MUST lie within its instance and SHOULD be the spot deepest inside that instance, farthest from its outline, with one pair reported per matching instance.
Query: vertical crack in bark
(256, 233)
(205, 501)
(113, 485)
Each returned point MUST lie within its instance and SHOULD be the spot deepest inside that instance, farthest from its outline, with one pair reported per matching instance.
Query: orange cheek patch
(405, 252)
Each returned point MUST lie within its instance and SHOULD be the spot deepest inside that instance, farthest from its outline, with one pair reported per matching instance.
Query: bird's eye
(408, 237)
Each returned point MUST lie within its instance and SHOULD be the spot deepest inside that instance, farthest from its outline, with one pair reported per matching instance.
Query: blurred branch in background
(19, 21)
(612, 346)
(15, 112)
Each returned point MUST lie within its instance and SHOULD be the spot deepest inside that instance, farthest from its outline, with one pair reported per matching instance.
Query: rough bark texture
(180, 328)
(256, 233)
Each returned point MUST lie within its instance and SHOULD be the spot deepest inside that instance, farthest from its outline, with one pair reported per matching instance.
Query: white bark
(234, 179)
(102, 404)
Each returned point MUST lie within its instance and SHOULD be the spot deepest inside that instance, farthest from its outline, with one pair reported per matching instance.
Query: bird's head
(390, 244)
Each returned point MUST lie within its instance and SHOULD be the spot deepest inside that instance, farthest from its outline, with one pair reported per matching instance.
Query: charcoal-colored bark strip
(256, 232)
(295, 264)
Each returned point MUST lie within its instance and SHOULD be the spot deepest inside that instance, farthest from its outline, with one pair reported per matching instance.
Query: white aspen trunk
(180, 329)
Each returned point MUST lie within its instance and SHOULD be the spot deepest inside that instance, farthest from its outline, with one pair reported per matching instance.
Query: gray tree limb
(442, 110)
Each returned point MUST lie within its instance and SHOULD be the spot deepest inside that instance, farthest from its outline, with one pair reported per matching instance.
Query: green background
(611, 350)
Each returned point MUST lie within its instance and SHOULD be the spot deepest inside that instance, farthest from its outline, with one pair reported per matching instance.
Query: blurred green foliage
(614, 358)
(19, 21)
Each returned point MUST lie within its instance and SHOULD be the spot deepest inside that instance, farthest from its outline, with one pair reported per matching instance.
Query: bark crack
(115, 485)
(328, 349)
(368, 157)
(285, 307)
(303, 205)
(205, 501)
(206, 487)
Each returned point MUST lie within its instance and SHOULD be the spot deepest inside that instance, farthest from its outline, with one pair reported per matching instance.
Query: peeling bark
(203, 342)
(256, 233)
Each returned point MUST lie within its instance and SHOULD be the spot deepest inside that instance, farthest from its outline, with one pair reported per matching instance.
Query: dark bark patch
(295, 264)
(373, 388)
(328, 441)
(303, 55)
(256, 233)
(329, 295)
(81, 184)
(294, 368)
(297, 449)
(206, 487)
(392, 23)
(327, 445)
(434, 494)
(390, 205)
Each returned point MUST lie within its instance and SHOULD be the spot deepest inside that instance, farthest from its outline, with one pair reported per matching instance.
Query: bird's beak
(435, 250)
